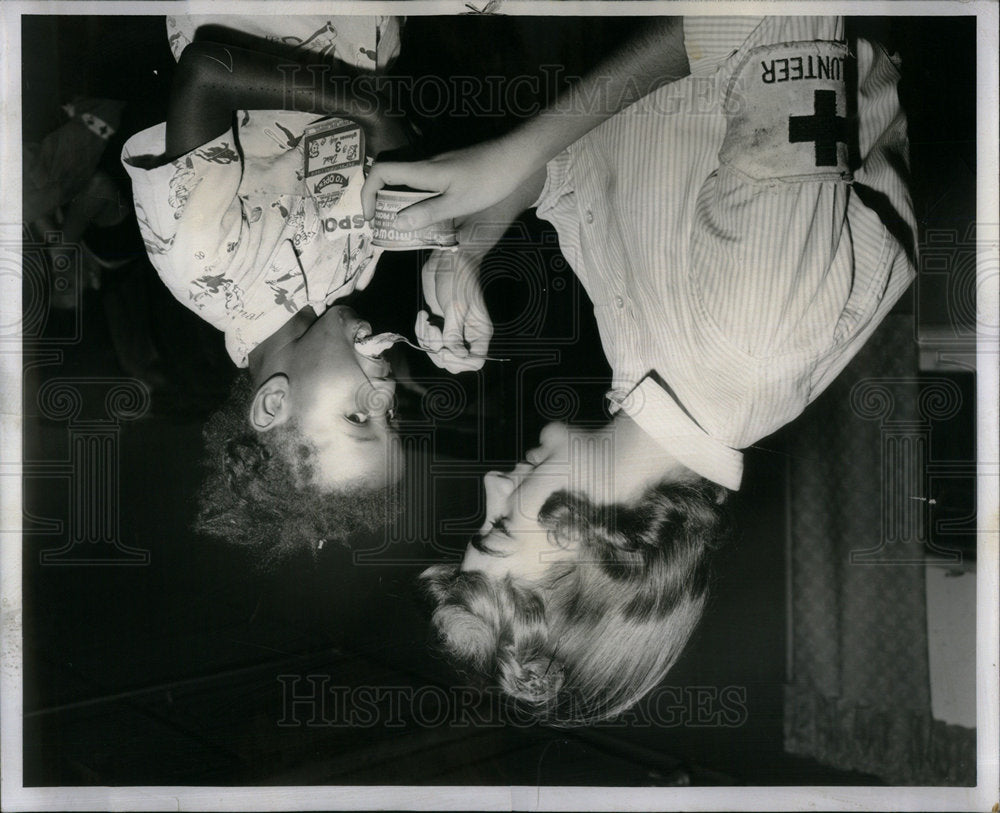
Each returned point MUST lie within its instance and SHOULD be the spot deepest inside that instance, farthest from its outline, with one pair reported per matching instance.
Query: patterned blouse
(258, 223)
(266, 219)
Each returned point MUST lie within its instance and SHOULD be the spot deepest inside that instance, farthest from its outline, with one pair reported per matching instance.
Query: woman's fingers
(418, 215)
(432, 340)
(453, 335)
(429, 279)
(418, 174)
(478, 332)
(428, 336)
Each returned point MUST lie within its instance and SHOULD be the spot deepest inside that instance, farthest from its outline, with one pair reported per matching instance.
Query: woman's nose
(552, 436)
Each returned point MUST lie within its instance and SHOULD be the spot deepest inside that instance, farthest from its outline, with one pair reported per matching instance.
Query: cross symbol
(824, 128)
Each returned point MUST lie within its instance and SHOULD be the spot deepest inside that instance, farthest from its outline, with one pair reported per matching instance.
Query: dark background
(178, 670)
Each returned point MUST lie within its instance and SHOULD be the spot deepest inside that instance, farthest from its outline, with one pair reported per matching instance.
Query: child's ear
(271, 405)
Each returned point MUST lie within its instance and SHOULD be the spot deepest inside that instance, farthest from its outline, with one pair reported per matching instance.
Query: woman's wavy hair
(601, 629)
(258, 491)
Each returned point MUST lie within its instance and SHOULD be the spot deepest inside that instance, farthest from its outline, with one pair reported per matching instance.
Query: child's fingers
(371, 187)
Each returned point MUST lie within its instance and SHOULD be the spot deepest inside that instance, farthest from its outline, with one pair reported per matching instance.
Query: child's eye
(359, 418)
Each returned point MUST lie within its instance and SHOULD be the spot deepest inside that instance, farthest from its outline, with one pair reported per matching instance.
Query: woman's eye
(500, 524)
(357, 417)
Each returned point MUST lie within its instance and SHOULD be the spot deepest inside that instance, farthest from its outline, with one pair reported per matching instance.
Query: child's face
(342, 401)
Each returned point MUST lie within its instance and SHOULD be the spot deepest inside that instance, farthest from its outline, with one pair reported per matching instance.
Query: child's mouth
(374, 345)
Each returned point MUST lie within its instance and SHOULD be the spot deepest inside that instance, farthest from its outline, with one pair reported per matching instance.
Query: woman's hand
(469, 180)
(473, 179)
(453, 287)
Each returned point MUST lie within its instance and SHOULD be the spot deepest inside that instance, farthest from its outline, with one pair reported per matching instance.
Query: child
(256, 226)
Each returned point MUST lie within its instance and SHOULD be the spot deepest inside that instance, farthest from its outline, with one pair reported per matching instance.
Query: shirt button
(590, 216)
(619, 302)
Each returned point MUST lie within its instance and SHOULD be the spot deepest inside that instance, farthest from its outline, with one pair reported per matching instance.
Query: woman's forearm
(473, 179)
(483, 230)
(653, 58)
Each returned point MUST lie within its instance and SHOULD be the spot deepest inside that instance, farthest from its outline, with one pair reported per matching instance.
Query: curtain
(858, 696)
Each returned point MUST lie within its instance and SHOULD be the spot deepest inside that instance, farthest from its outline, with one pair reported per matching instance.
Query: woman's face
(608, 466)
(575, 460)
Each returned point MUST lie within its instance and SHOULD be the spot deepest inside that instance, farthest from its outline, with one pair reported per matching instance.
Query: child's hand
(453, 292)
(470, 180)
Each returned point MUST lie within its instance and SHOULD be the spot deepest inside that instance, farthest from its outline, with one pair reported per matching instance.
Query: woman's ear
(271, 406)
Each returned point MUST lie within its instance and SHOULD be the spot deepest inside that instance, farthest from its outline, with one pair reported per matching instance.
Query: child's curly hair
(259, 492)
(601, 629)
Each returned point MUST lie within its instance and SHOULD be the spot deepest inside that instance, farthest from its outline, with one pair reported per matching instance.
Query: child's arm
(213, 80)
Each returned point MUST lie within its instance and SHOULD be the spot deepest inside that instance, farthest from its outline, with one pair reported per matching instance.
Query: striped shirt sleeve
(709, 41)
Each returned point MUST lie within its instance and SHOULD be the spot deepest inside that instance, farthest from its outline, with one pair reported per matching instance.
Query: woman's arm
(213, 80)
(477, 177)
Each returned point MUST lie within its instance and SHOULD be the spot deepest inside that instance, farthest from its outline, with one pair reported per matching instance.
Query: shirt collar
(660, 416)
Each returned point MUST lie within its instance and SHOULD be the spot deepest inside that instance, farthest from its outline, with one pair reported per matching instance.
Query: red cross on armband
(824, 128)
(786, 111)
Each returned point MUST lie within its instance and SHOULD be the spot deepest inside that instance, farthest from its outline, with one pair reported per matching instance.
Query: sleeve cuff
(145, 150)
